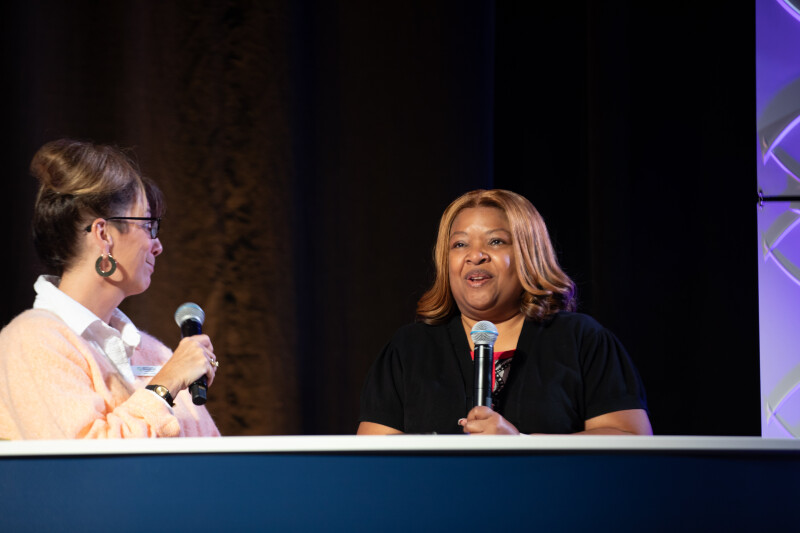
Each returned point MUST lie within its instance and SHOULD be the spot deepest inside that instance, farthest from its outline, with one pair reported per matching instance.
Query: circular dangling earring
(98, 266)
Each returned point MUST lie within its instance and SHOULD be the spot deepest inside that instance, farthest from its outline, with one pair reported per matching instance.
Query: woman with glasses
(75, 366)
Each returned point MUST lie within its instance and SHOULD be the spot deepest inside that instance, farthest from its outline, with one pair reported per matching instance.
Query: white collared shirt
(116, 340)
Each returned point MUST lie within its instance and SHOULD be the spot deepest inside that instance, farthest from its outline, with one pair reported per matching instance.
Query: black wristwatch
(162, 391)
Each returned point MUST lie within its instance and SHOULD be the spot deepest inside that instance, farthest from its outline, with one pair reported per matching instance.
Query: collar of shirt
(116, 340)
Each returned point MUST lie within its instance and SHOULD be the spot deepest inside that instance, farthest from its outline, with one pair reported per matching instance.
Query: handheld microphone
(483, 334)
(190, 318)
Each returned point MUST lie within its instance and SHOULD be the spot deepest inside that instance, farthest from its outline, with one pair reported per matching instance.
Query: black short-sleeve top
(564, 371)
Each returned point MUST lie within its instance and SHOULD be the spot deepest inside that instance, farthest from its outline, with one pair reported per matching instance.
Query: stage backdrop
(778, 116)
(307, 149)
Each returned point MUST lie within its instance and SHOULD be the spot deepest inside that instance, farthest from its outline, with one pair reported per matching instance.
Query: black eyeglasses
(151, 226)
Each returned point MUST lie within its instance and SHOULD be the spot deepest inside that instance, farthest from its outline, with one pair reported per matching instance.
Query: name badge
(145, 370)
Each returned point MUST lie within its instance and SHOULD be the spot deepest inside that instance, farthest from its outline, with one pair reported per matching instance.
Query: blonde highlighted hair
(547, 289)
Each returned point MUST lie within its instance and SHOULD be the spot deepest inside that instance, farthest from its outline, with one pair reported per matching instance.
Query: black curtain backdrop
(307, 150)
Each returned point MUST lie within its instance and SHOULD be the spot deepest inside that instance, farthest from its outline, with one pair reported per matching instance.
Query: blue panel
(240, 492)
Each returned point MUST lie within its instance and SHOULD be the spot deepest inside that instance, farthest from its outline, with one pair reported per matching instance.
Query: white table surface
(397, 443)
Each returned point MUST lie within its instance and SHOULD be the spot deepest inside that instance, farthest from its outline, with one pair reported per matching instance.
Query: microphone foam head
(484, 332)
(188, 311)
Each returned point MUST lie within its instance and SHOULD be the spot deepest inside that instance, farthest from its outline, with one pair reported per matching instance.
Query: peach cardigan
(55, 385)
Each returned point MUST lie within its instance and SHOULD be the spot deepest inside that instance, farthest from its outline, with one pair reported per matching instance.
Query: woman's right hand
(191, 360)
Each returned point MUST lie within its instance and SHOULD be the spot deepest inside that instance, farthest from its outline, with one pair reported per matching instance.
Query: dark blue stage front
(401, 483)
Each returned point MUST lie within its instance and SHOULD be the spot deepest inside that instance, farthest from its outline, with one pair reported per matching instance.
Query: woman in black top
(555, 371)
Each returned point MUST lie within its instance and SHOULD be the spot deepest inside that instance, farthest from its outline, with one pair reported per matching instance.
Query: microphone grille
(484, 332)
(187, 311)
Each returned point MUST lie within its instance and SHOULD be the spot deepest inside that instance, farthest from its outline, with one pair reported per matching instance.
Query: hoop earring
(98, 266)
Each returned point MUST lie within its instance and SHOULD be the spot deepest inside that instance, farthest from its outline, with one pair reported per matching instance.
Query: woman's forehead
(481, 215)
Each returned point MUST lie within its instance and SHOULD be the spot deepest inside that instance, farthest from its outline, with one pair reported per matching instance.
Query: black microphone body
(483, 334)
(484, 366)
(190, 318)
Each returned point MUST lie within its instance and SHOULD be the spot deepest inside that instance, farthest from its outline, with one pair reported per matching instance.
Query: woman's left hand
(483, 421)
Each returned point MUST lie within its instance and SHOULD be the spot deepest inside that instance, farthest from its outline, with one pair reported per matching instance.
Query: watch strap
(162, 391)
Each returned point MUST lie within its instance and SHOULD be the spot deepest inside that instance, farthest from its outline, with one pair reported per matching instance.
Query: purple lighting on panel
(785, 266)
(781, 163)
(786, 131)
(791, 8)
(778, 116)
